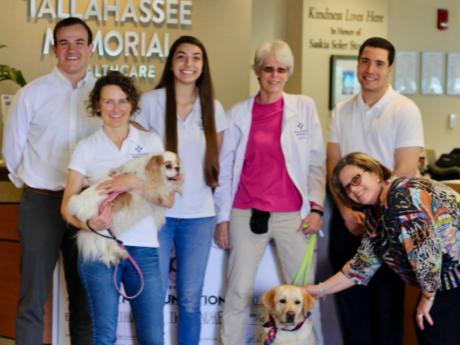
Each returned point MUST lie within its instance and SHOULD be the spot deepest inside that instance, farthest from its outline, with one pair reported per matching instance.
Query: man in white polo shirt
(388, 126)
(46, 120)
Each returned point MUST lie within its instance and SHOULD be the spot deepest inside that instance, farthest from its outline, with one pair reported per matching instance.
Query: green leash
(301, 277)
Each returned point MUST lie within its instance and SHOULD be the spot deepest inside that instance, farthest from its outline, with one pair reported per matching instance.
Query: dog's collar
(273, 329)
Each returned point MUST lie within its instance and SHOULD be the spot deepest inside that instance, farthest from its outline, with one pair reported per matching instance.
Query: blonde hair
(280, 50)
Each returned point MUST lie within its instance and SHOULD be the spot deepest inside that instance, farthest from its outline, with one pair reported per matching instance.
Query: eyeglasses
(355, 181)
(271, 69)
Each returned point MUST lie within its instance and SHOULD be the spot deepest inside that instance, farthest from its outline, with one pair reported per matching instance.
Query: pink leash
(133, 262)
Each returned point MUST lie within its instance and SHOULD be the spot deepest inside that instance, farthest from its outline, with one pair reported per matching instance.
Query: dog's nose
(290, 316)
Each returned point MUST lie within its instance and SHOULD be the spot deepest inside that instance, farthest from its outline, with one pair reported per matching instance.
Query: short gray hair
(281, 51)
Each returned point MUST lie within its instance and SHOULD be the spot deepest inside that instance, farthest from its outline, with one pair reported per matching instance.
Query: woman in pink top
(271, 184)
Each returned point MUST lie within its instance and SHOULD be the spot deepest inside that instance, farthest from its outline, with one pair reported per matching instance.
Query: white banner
(211, 304)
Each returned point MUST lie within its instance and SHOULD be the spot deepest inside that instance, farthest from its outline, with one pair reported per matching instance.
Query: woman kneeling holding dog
(115, 98)
(413, 226)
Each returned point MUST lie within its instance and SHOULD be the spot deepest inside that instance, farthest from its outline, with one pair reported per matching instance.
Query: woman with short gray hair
(279, 49)
(271, 183)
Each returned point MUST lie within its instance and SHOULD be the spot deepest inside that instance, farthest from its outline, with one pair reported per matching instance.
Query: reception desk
(454, 184)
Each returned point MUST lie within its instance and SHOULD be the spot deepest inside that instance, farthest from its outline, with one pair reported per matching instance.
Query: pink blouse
(265, 183)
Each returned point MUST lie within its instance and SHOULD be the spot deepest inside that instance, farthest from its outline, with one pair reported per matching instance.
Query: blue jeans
(103, 298)
(192, 239)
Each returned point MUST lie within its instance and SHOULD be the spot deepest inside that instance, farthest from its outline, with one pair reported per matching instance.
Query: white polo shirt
(196, 200)
(393, 122)
(95, 155)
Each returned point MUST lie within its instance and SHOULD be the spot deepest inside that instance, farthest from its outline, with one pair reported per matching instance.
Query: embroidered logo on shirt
(301, 132)
(138, 151)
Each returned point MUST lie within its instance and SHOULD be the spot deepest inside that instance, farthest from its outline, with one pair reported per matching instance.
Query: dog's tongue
(175, 178)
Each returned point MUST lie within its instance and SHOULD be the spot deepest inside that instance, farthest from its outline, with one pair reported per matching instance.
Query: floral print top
(417, 234)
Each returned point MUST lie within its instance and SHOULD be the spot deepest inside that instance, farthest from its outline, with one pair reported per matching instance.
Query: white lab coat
(301, 142)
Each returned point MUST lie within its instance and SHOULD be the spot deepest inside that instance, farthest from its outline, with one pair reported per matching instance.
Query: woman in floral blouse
(413, 226)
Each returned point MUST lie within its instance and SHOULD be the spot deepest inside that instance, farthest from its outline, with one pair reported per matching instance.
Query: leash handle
(301, 277)
(139, 272)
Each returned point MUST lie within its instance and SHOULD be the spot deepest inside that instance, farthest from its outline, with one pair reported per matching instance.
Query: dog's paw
(117, 255)
(123, 254)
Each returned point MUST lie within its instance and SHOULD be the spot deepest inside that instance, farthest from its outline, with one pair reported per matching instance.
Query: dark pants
(446, 319)
(43, 234)
(371, 315)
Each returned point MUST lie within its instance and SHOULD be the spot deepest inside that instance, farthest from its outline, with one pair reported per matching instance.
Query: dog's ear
(268, 299)
(154, 164)
(154, 176)
(308, 301)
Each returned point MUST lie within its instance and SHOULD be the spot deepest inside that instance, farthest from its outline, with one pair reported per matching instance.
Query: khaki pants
(246, 251)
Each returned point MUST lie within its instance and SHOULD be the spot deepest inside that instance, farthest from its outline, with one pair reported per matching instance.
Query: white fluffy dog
(161, 175)
(288, 307)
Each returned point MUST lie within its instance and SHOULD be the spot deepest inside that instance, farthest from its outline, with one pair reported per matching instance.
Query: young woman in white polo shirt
(114, 98)
(183, 111)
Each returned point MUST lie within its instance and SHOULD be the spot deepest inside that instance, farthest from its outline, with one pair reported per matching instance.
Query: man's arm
(15, 136)
(409, 140)
(406, 161)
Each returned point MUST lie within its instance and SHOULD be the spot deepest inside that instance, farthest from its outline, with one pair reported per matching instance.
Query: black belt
(56, 193)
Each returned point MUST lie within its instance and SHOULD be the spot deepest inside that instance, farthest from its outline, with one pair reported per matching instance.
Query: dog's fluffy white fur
(288, 304)
(161, 175)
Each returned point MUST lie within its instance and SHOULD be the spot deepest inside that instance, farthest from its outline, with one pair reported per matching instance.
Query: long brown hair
(206, 94)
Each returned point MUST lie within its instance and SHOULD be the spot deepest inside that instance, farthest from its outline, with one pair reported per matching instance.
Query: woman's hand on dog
(314, 290)
(311, 223)
(103, 220)
(120, 184)
(221, 235)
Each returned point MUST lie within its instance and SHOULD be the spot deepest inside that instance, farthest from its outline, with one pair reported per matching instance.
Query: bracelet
(313, 204)
(322, 293)
(315, 210)
(89, 226)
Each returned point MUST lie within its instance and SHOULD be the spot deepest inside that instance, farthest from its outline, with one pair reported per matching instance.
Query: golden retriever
(161, 175)
(288, 309)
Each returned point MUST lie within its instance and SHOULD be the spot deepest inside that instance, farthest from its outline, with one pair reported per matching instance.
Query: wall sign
(432, 73)
(406, 72)
(343, 28)
(453, 74)
(114, 37)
